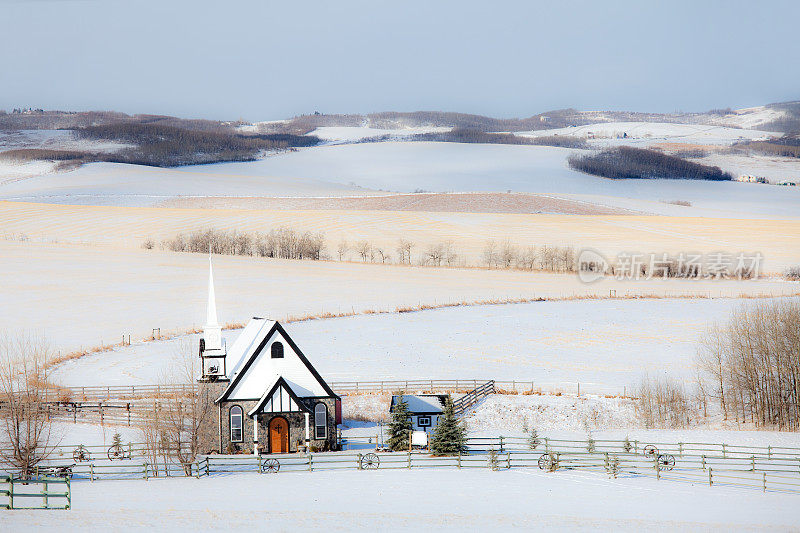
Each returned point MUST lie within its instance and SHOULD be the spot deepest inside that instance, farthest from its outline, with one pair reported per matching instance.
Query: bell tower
(212, 350)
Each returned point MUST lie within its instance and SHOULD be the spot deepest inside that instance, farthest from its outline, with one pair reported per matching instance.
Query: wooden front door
(278, 435)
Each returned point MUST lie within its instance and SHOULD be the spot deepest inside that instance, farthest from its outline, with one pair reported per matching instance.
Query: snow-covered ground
(442, 167)
(54, 140)
(358, 133)
(652, 132)
(93, 294)
(606, 345)
(413, 500)
(349, 169)
(567, 417)
(135, 185)
(775, 169)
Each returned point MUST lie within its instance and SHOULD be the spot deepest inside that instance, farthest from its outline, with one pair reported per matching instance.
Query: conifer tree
(399, 427)
(450, 436)
(533, 439)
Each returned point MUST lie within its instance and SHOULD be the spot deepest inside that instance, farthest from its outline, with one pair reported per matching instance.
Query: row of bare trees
(663, 403)
(283, 243)
(286, 243)
(505, 254)
(754, 363)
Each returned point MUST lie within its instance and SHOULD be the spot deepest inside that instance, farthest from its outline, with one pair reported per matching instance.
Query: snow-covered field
(135, 185)
(351, 134)
(442, 167)
(606, 345)
(775, 169)
(357, 169)
(568, 417)
(645, 133)
(413, 500)
(54, 140)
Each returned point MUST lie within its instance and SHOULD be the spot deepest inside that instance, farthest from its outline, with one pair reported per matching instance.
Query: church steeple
(212, 352)
(211, 312)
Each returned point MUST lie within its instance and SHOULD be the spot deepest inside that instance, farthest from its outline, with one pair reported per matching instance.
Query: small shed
(425, 409)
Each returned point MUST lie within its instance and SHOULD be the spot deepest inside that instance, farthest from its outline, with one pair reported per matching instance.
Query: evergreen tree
(627, 446)
(399, 427)
(494, 463)
(116, 440)
(533, 439)
(450, 436)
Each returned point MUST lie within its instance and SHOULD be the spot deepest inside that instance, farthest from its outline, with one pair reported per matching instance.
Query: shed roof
(421, 404)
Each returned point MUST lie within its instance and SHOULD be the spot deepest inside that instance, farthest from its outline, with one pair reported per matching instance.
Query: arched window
(236, 423)
(277, 350)
(320, 421)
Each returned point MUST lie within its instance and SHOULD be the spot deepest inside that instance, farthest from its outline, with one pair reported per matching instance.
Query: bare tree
(434, 254)
(383, 255)
(342, 248)
(508, 254)
(755, 362)
(176, 428)
(364, 249)
(490, 254)
(449, 255)
(404, 250)
(26, 427)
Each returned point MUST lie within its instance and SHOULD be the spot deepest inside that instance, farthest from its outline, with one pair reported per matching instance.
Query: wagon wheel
(272, 466)
(544, 461)
(370, 461)
(650, 450)
(666, 462)
(81, 454)
(116, 452)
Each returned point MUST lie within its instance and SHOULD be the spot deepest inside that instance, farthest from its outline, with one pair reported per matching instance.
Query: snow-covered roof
(253, 370)
(423, 404)
(245, 344)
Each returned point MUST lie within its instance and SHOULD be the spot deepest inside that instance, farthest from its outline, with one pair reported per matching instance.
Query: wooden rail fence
(125, 392)
(52, 493)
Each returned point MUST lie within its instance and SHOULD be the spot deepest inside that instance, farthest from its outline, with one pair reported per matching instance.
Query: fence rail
(123, 392)
(715, 471)
(473, 397)
(53, 493)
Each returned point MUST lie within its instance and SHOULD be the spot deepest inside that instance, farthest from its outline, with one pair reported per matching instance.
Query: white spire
(211, 316)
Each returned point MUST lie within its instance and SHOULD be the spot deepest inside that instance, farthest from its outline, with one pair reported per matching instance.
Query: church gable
(275, 357)
(279, 399)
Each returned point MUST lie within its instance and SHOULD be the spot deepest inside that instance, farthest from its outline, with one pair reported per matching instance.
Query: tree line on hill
(786, 146)
(625, 162)
(467, 135)
(169, 146)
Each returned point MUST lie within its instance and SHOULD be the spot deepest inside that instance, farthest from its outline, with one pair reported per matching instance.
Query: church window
(320, 421)
(277, 350)
(236, 424)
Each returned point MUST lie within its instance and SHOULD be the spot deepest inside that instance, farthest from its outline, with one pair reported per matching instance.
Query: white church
(267, 396)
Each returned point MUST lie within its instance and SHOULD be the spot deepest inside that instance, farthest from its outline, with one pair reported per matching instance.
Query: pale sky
(265, 60)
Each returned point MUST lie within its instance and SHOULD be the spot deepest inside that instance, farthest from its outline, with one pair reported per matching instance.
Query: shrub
(792, 273)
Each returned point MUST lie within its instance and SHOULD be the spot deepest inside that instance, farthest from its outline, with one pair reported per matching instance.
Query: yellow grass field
(128, 227)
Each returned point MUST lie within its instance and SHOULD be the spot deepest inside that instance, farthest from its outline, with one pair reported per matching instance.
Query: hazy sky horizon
(266, 60)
